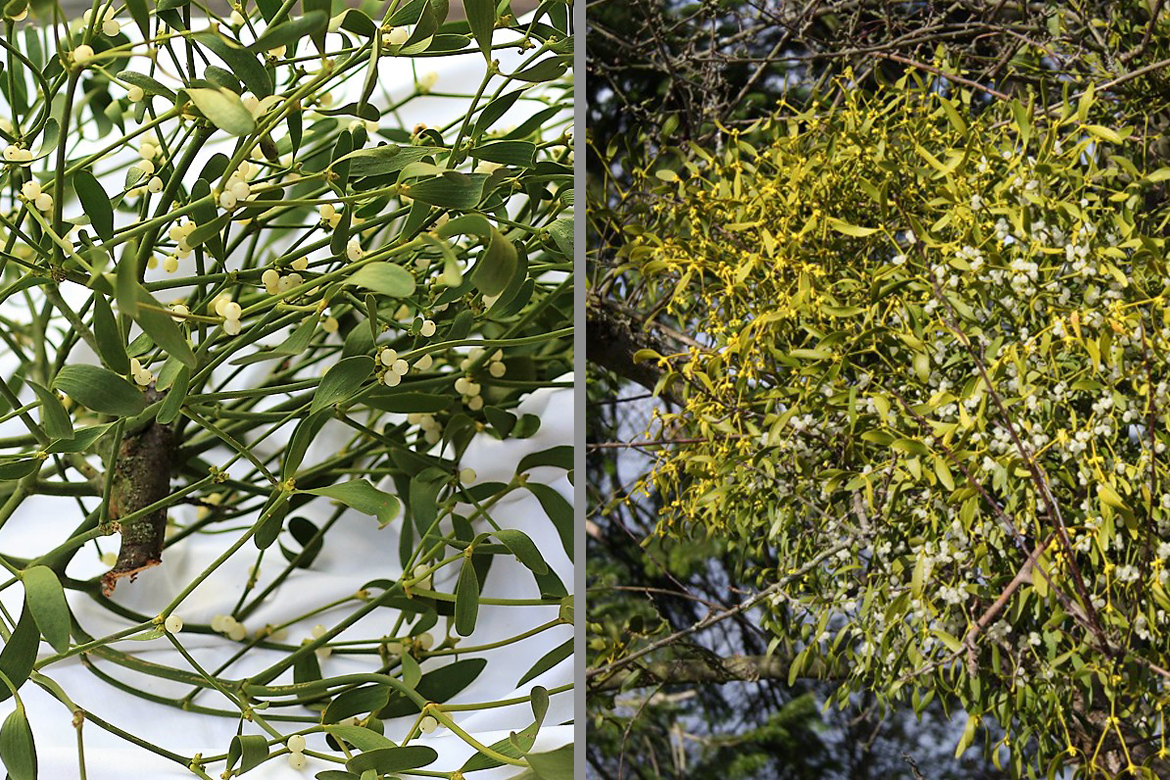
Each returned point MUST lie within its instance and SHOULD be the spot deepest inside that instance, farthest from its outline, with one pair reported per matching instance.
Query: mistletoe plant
(219, 235)
(928, 406)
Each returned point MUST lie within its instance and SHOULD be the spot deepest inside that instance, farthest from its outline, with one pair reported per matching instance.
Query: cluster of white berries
(999, 631)
(395, 36)
(329, 214)
(495, 364)
(295, 743)
(230, 311)
(1002, 229)
(148, 151)
(237, 187)
(31, 191)
(951, 595)
(1127, 573)
(179, 234)
(1079, 443)
(396, 367)
(971, 256)
(276, 284)
(432, 429)
(468, 387)
(1000, 442)
(1027, 273)
(15, 154)
(229, 626)
(110, 27)
(141, 376)
(1103, 404)
(470, 390)
(1078, 254)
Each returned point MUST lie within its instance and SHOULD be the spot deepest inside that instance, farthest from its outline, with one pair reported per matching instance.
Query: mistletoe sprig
(218, 235)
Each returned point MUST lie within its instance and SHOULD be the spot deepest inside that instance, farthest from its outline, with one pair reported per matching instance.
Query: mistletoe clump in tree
(927, 401)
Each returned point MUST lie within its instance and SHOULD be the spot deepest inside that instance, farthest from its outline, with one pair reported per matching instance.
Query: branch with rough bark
(142, 477)
(613, 337)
